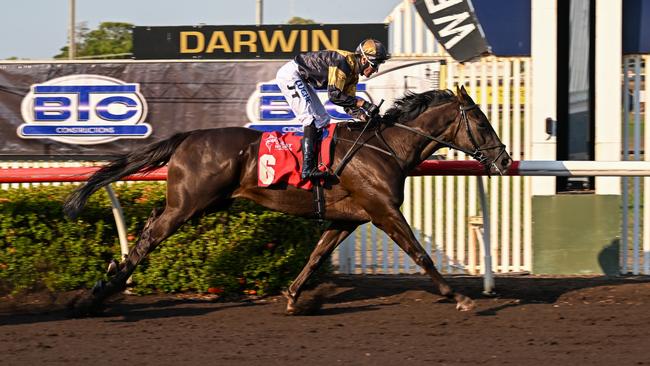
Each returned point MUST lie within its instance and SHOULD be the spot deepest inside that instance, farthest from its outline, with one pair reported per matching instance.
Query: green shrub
(247, 248)
(41, 249)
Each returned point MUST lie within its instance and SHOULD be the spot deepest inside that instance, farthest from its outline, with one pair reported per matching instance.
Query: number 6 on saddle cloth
(280, 158)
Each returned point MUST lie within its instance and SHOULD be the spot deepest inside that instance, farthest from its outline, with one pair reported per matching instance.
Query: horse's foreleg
(330, 239)
(394, 224)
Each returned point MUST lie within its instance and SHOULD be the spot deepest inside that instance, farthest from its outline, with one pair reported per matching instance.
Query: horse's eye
(482, 123)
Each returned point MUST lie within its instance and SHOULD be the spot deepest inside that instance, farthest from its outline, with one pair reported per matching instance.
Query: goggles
(374, 63)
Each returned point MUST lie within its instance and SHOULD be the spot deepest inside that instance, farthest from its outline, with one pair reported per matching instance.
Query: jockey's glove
(371, 109)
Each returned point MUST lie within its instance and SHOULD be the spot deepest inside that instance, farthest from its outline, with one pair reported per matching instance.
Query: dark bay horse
(207, 169)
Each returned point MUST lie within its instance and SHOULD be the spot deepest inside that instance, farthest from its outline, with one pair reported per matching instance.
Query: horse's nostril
(506, 162)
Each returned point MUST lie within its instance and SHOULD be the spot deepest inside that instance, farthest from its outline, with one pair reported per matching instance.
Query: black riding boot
(309, 157)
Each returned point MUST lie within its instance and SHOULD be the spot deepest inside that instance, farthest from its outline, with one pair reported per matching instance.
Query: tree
(299, 20)
(109, 40)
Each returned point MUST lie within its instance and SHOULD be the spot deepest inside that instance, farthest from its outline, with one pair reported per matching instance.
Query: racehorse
(207, 169)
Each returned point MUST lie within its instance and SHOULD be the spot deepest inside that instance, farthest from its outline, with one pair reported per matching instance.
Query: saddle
(280, 158)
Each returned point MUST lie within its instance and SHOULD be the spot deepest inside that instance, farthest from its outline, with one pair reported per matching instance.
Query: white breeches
(301, 96)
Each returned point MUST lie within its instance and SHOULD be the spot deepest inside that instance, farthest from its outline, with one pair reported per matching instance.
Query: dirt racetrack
(366, 320)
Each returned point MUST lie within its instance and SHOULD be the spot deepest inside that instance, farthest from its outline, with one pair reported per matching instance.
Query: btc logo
(267, 110)
(84, 109)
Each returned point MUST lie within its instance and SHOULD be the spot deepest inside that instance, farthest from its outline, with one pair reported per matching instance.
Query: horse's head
(475, 135)
(454, 121)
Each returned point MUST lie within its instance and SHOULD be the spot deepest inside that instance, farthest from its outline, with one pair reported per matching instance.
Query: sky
(37, 29)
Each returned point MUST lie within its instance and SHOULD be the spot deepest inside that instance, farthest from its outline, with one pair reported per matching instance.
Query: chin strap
(363, 67)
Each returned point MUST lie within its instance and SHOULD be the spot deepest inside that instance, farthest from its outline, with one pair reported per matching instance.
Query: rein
(388, 151)
(476, 154)
(352, 150)
(478, 151)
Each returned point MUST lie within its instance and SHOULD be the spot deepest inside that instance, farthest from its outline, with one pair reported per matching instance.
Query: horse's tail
(150, 158)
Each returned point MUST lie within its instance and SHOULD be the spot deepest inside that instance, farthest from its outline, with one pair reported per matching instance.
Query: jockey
(338, 71)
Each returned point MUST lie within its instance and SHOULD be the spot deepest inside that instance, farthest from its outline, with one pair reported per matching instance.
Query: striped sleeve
(339, 87)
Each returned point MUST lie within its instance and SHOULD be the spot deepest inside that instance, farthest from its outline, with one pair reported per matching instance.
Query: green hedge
(245, 249)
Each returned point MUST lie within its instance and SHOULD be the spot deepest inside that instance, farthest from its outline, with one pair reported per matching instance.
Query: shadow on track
(341, 294)
(511, 290)
(134, 309)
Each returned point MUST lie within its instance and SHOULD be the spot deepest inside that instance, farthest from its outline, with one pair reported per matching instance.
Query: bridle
(464, 120)
(478, 150)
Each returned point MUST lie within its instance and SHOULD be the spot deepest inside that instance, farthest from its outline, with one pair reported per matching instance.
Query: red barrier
(80, 174)
(68, 174)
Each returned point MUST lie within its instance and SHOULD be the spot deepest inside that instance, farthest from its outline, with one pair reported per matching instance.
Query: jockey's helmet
(374, 51)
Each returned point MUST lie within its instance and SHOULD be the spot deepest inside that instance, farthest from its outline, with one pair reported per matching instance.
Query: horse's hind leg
(393, 223)
(328, 241)
(159, 226)
(141, 249)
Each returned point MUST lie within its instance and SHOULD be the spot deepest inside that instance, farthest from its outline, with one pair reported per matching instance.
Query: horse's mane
(411, 105)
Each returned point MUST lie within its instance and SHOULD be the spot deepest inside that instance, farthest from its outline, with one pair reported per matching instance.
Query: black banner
(39, 118)
(81, 110)
(455, 26)
(249, 42)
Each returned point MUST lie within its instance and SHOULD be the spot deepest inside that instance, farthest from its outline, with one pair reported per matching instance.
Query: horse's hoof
(466, 304)
(99, 287)
(291, 303)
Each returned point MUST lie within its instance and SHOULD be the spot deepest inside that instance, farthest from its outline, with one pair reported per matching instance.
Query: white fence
(443, 211)
(635, 230)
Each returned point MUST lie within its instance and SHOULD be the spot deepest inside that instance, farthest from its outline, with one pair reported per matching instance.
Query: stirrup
(306, 176)
(318, 174)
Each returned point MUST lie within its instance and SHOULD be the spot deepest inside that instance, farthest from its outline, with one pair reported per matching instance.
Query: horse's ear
(462, 93)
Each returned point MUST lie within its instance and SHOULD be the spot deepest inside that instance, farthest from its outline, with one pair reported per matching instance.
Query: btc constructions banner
(89, 110)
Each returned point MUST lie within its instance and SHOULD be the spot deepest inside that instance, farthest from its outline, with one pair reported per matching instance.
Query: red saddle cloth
(280, 158)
